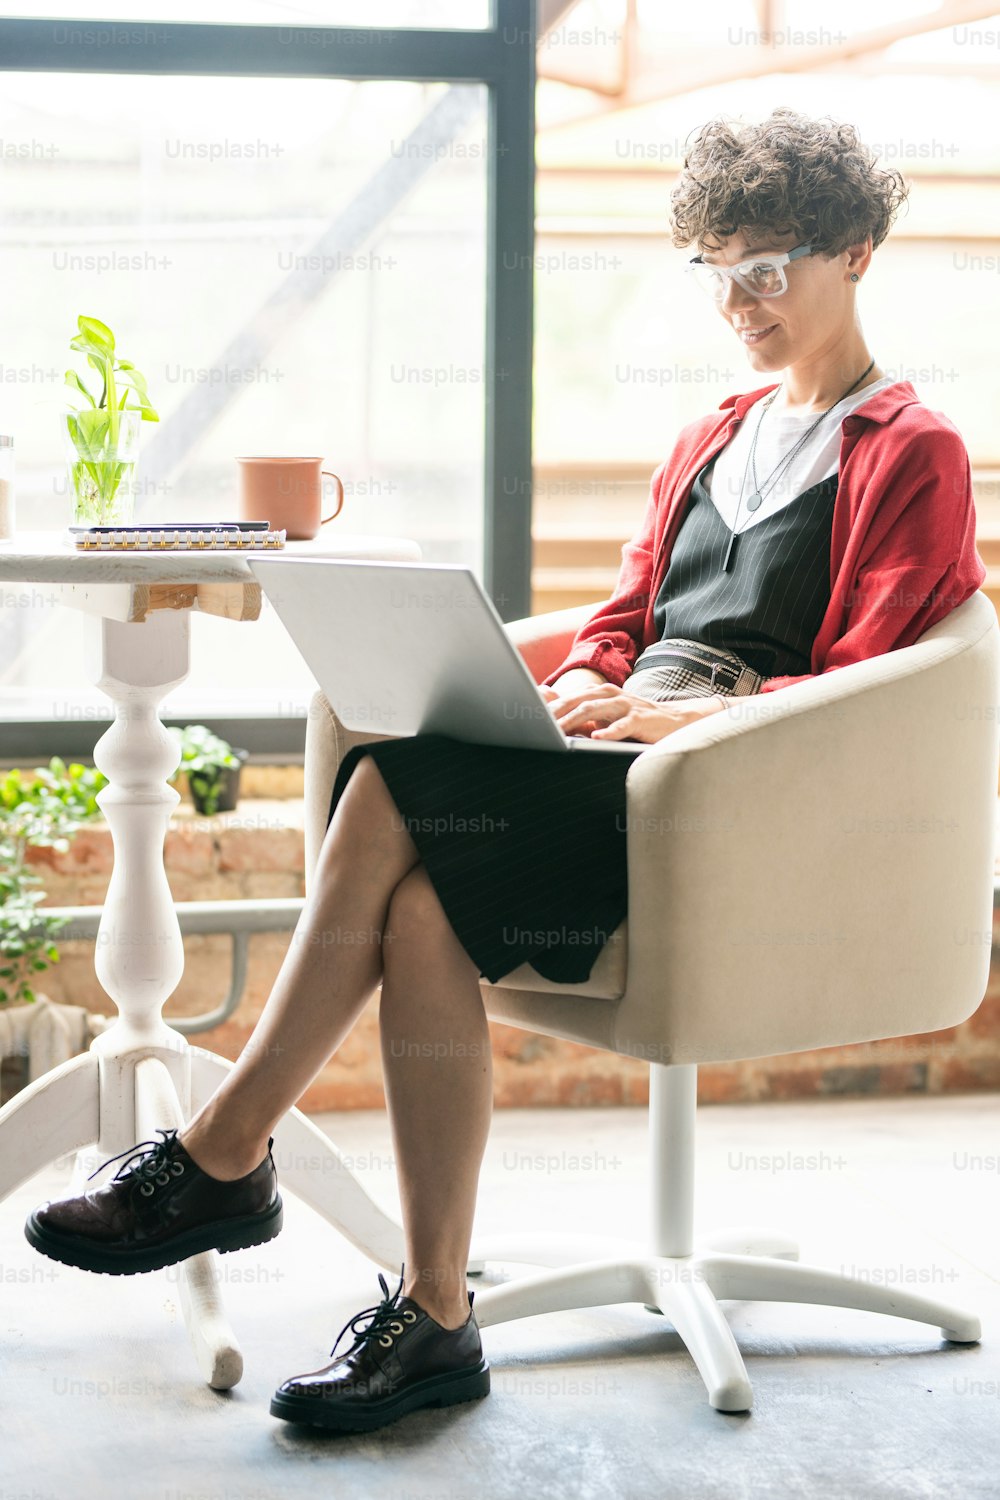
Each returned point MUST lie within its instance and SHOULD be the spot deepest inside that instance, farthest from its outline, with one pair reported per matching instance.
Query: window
(297, 264)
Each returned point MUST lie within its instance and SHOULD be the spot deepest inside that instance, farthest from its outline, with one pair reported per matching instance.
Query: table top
(50, 557)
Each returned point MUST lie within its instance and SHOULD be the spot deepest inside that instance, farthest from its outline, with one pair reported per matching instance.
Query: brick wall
(257, 851)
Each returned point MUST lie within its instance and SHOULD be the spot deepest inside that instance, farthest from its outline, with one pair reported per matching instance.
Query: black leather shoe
(158, 1209)
(402, 1360)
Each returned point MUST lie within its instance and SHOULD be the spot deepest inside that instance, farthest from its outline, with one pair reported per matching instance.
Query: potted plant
(102, 428)
(47, 810)
(212, 768)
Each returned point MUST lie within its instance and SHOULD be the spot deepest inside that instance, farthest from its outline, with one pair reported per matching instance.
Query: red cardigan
(903, 550)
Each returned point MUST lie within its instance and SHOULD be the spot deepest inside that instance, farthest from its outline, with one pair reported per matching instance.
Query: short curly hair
(789, 174)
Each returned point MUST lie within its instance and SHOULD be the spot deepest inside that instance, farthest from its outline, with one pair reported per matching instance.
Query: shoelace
(384, 1319)
(152, 1163)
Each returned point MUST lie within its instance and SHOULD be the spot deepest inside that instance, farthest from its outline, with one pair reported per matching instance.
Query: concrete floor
(100, 1394)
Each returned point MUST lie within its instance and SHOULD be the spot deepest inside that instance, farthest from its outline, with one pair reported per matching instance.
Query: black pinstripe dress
(527, 850)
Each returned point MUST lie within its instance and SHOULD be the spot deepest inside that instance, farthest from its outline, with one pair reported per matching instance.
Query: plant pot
(101, 465)
(226, 780)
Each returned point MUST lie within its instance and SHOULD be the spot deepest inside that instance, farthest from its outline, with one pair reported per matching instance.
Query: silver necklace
(760, 489)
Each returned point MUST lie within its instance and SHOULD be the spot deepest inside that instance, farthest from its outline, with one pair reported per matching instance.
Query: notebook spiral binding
(177, 541)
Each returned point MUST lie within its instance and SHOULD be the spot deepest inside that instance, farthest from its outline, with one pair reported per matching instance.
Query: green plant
(47, 810)
(204, 757)
(94, 424)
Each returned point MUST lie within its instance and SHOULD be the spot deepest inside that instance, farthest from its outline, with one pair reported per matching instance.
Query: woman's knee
(417, 932)
(417, 929)
(364, 808)
(414, 911)
(365, 781)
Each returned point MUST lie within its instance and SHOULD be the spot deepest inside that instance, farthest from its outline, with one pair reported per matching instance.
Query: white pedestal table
(140, 1075)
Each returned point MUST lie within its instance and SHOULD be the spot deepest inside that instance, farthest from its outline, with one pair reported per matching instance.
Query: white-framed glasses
(760, 275)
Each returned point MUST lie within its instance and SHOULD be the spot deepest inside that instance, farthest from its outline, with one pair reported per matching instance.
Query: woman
(817, 521)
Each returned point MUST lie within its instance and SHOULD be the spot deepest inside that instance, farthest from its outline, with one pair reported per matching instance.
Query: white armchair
(798, 866)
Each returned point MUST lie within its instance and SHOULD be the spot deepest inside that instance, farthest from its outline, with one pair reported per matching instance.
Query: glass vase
(101, 456)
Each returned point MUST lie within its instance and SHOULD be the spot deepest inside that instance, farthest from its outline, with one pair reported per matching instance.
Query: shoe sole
(225, 1236)
(437, 1390)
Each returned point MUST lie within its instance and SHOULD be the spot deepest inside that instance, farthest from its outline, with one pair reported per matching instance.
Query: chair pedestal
(682, 1280)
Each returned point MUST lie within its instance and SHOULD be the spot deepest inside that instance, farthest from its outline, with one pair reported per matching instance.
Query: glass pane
(295, 267)
(464, 15)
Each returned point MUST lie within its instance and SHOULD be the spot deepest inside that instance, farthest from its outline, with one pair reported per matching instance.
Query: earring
(855, 276)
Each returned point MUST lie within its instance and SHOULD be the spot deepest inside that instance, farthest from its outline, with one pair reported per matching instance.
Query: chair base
(736, 1264)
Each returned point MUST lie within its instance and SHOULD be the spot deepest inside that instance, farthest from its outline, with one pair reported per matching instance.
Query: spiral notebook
(224, 536)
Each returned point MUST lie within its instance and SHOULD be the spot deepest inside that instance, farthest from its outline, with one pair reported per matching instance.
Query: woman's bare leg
(438, 1070)
(323, 984)
(436, 1053)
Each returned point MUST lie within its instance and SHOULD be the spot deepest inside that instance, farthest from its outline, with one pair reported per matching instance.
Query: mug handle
(340, 495)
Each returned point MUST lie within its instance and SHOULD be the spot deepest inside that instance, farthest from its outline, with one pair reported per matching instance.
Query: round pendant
(755, 502)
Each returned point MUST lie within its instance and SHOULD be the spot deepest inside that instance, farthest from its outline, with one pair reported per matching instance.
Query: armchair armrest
(543, 640)
(856, 811)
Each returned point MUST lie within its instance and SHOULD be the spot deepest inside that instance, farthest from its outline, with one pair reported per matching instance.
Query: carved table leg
(140, 951)
(216, 1350)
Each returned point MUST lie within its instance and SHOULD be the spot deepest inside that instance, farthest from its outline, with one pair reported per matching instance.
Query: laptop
(414, 648)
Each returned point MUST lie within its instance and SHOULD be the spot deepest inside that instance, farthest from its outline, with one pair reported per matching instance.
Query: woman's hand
(605, 712)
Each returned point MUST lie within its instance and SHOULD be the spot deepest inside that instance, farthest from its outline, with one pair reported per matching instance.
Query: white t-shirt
(816, 459)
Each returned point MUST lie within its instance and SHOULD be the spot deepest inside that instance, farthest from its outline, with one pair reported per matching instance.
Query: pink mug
(287, 493)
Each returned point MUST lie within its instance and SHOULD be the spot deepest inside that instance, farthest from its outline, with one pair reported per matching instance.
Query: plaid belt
(677, 668)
